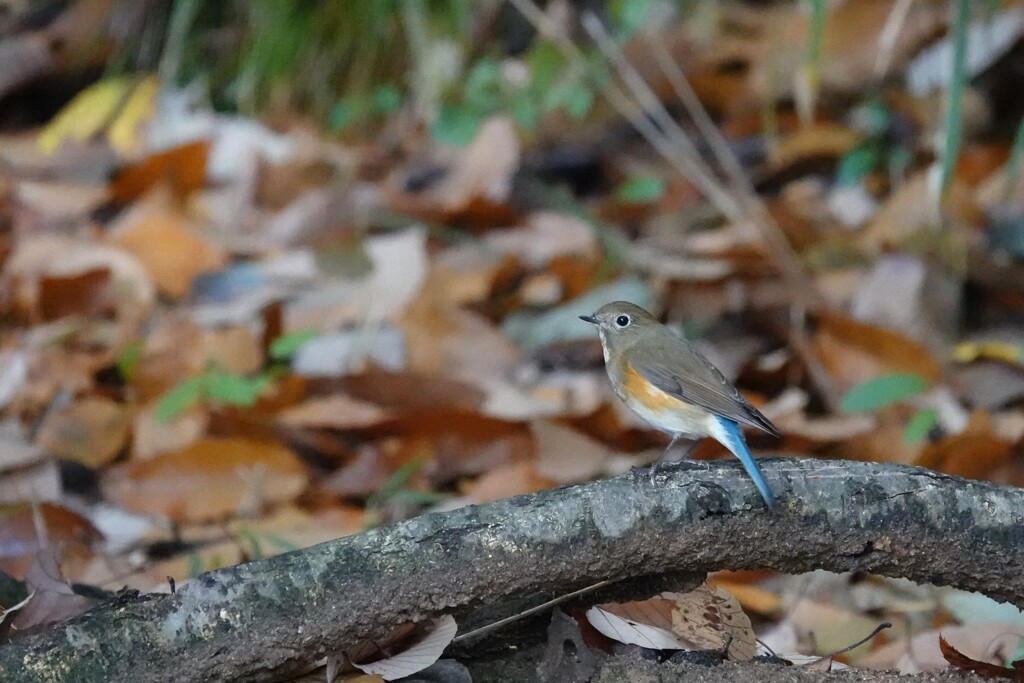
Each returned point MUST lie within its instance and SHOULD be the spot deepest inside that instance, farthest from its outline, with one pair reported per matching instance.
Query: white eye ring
(622, 320)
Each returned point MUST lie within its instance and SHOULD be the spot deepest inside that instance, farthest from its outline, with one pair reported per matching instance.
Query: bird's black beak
(589, 318)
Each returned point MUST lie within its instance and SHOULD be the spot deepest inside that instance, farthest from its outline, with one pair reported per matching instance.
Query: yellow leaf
(86, 114)
(1002, 351)
(118, 105)
(123, 132)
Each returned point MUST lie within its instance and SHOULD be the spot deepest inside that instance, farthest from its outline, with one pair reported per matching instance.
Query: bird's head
(621, 323)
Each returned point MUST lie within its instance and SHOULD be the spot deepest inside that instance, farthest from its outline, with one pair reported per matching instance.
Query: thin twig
(887, 39)
(829, 658)
(533, 610)
(675, 146)
(695, 108)
(782, 252)
(622, 103)
(816, 372)
(673, 135)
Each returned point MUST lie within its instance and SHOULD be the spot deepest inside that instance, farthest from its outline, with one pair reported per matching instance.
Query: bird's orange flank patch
(661, 409)
(640, 390)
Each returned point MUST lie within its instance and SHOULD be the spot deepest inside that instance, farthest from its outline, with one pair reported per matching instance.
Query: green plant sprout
(217, 386)
(885, 390)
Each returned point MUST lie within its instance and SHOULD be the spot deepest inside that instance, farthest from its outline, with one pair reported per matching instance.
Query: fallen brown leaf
(854, 352)
(508, 481)
(91, 431)
(566, 456)
(335, 411)
(983, 669)
(152, 436)
(182, 168)
(20, 539)
(975, 453)
(86, 293)
(818, 140)
(405, 391)
(751, 598)
(922, 653)
(53, 599)
(210, 479)
(457, 442)
(167, 245)
(708, 618)
(235, 349)
(705, 618)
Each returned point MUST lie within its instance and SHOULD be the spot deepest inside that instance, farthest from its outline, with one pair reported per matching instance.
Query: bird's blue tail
(734, 442)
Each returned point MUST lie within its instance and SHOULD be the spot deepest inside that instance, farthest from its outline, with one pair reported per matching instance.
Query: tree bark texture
(263, 620)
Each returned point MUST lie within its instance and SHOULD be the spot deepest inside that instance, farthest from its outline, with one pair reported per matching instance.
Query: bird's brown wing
(680, 370)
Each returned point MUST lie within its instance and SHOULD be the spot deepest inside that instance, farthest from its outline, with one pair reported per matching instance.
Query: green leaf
(180, 398)
(546, 63)
(483, 86)
(386, 99)
(629, 14)
(281, 542)
(342, 114)
(195, 564)
(640, 190)
(129, 359)
(231, 389)
(455, 126)
(575, 98)
(882, 391)
(920, 424)
(876, 117)
(580, 99)
(856, 164)
(1012, 169)
(524, 110)
(394, 483)
(899, 161)
(952, 135)
(285, 346)
(246, 535)
(411, 497)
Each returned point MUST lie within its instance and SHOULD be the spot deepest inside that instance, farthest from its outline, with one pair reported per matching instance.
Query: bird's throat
(604, 344)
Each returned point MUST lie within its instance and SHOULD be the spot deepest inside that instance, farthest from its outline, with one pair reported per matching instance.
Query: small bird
(662, 378)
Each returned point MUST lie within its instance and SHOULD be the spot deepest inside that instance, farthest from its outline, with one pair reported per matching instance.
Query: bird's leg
(661, 459)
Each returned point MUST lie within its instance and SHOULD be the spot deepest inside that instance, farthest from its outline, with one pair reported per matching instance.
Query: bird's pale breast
(660, 409)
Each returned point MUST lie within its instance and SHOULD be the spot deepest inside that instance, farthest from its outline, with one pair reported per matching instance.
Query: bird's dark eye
(622, 320)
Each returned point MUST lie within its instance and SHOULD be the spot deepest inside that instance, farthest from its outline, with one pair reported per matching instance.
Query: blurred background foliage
(349, 64)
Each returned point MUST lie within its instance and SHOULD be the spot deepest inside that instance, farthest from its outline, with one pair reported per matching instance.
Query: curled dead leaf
(409, 649)
(52, 600)
(706, 618)
(983, 669)
(647, 623)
